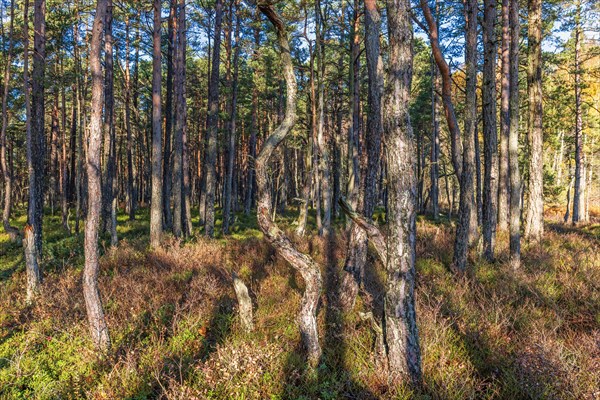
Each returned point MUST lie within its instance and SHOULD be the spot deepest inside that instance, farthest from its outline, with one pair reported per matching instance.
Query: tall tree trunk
(577, 192)
(110, 140)
(156, 210)
(31, 249)
(504, 179)
(354, 133)
(4, 165)
(490, 135)
(401, 333)
(357, 245)
(93, 302)
(534, 227)
(434, 172)
(182, 121)
(466, 229)
(232, 125)
(324, 171)
(213, 119)
(302, 263)
(38, 138)
(167, 161)
(254, 123)
(178, 212)
(513, 140)
(131, 195)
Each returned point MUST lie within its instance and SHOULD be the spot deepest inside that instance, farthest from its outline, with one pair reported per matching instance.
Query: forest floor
(493, 333)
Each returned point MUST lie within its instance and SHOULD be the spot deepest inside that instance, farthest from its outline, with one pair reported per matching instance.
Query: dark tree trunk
(229, 198)
(93, 302)
(131, 194)
(213, 119)
(490, 135)
(401, 333)
(302, 263)
(253, 126)
(167, 170)
(156, 210)
(38, 138)
(466, 228)
(4, 165)
(534, 227)
(577, 192)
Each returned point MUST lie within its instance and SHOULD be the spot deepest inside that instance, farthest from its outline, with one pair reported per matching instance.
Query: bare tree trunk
(513, 141)
(38, 139)
(435, 144)
(34, 277)
(254, 126)
(354, 133)
(444, 69)
(466, 230)
(131, 195)
(534, 227)
(577, 192)
(244, 303)
(167, 160)
(326, 189)
(357, 245)
(401, 333)
(156, 210)
(213, 116)
(93, 302)
(490, 135)
(302, 263)
(232, 125)
(504, 181)
(4, 165)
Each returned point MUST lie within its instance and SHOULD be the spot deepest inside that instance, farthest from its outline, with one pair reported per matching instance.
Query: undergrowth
(491, 334)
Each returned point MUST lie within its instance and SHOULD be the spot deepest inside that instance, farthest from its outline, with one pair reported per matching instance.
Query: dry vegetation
(172, 314)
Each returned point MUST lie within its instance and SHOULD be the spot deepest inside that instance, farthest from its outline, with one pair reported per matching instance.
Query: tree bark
(302, 263)
(254, 124)
(504, 181)
(156, 210)
(490, 135)
(4, 165)
(110, 140)
(93, 302)
(131, 194)
(513, 140)
(401, 333)
(466, 229)
(357, 245)
(577, 192)
(167, 160)
(213, 119)
(534, 227)
(38, 138)
(228, 198)
(34, 277)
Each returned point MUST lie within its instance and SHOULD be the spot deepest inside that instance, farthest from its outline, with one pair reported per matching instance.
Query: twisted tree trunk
(302, 263)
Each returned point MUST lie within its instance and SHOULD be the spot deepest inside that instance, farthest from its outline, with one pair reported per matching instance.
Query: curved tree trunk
(93, 302)
(534, 227)
(302, 263)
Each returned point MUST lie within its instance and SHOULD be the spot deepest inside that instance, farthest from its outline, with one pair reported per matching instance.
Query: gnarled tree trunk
(302, 263)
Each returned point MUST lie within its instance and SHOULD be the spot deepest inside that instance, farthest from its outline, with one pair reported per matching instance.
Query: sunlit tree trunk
(93, 302)
(577, 192)
(504, 182)
(156, 207)
(534, 227)
(513, 140)
(302, 263)
(401, 333)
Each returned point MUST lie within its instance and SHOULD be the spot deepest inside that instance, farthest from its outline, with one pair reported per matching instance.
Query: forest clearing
(307, 199)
